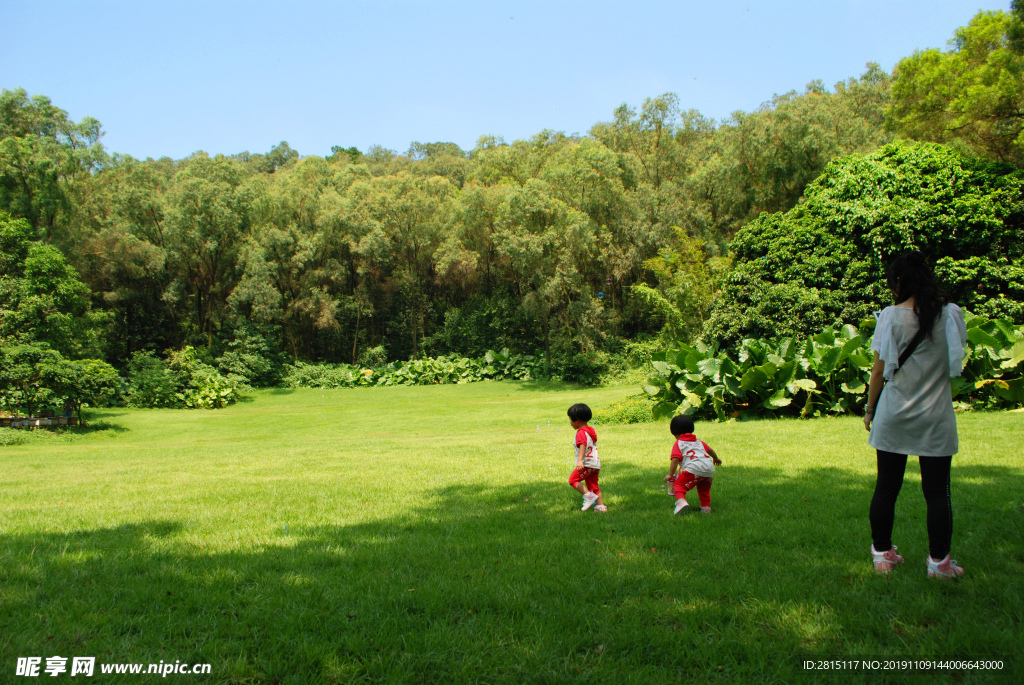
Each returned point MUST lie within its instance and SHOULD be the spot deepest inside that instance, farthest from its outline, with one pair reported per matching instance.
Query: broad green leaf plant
(824, 375)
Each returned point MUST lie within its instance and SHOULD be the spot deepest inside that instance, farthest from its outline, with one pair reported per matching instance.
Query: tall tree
(207, 213)
(970, 96)
(762, 161)
(410, 213)
(43, 154)
(42, 299)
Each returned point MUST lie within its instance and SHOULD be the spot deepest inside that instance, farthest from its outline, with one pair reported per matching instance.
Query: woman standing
(918, 345)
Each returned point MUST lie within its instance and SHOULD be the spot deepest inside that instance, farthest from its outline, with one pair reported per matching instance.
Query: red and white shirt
(586, 440)
(694, 454)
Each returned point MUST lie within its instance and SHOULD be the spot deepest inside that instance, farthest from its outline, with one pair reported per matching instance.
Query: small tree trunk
(547, 344)
(355, 338)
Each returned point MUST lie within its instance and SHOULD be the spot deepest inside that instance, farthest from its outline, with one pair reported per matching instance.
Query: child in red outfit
(588, 465)
(698, 461)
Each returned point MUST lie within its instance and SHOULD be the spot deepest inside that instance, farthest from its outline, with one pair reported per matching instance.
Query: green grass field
(427, 534)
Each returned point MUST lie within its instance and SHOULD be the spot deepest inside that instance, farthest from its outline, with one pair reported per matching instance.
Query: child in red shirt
(698, 465)
(588, 465)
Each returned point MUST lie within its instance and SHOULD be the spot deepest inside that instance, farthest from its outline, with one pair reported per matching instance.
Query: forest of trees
(561, 246)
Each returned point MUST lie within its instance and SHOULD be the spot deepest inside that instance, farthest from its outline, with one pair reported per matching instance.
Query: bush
(632, 409)
(639, 353)
(585, 369)
(826, 374)
(250, 360)
(823, 262)
(11, 436)
(430, 371)
(200, 386)
(150, 382)
(373, 357)
(182, 381)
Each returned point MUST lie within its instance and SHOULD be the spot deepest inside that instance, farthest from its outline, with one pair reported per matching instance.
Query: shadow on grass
(547, 386)
(44, 434)
(95, 426)
(105, 413)
(511, 583)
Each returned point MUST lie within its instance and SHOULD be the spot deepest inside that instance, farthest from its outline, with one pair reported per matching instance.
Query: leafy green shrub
(372, 357)
(994, 365)
(250, 360)
(505, 365)
(11, 436)
(632, 409)
(80, 383)
(640, 352)
(199, 385)
(150, 382)
(429, 371)
(823, 262)
(320, 376)
(585, 369)
(182, 381)
(826, 374)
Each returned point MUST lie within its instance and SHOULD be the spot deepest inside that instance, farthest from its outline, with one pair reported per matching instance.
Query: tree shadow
(106, 413)
(95, 426)
(27, 436)
(545, 385)
(512, 582)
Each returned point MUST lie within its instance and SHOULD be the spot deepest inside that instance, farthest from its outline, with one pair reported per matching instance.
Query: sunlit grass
(426, 534)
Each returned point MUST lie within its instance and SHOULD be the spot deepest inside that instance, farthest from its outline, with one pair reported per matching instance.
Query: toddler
(698, 465)
(588, 465)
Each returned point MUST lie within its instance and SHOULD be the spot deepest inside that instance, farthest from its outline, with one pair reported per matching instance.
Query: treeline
(565, 246)
(531, 245)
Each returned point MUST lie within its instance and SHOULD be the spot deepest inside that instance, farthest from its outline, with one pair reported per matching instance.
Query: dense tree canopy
(823, 262)
(972, 95)
(531, 245)
(43, 157)
(566, 245)
(42, 299)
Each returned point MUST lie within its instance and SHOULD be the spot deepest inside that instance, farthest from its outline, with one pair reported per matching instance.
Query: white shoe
(887, 560)
(946, 568)
(588, 501)
(681, 505)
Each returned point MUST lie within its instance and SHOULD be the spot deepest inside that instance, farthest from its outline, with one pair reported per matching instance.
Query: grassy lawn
(426, 534)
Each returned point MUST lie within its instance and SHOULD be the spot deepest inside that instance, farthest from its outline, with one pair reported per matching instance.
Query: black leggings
(934, 483)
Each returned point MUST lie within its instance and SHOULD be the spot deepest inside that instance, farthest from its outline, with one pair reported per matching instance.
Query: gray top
(915, 413)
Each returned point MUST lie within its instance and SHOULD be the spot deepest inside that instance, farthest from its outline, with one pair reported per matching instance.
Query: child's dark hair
(681, 424)
(580, 412)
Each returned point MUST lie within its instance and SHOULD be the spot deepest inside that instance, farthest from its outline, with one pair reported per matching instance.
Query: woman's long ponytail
(910, 276)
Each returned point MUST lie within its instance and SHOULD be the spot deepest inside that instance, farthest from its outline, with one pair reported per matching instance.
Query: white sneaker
(946, 568)
(588, 501)
(887, 560)
(681, 505)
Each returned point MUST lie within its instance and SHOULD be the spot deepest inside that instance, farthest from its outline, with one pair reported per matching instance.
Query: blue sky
(173, 78)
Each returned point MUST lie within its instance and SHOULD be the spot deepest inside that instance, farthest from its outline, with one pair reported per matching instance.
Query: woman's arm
(874, 390)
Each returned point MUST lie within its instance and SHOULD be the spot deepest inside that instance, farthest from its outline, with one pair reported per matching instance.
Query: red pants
(686, 481)
(589, 476)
